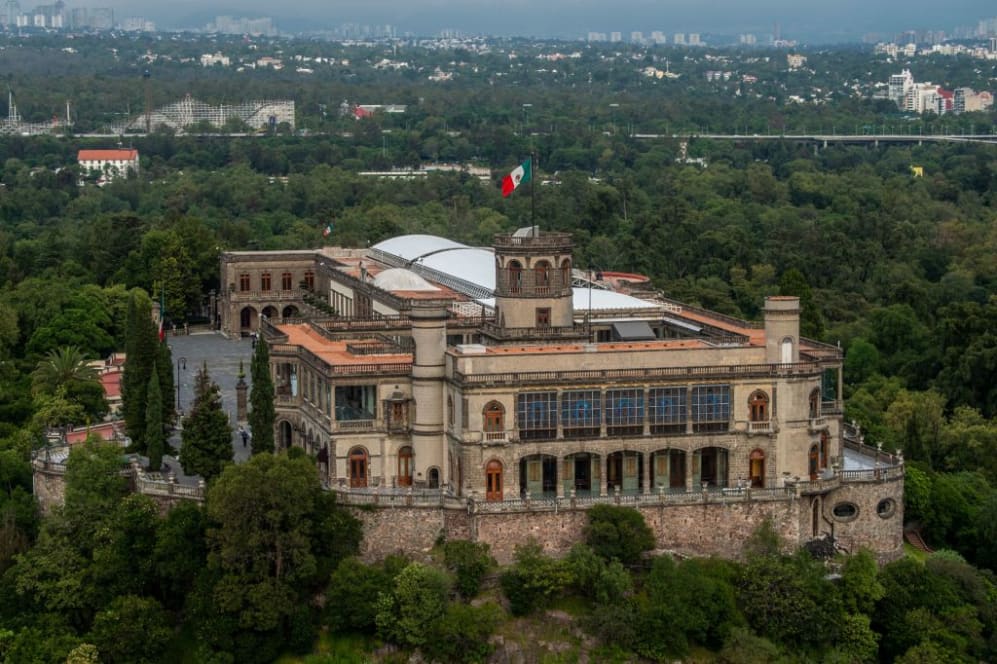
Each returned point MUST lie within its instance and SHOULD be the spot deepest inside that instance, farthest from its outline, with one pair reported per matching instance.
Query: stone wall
(707, 528)
(49, 487)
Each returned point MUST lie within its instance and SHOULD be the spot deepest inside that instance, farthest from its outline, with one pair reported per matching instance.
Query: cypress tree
(167, 387)
(155, 439)
(261, 400)
(206, 442)
(140, 355)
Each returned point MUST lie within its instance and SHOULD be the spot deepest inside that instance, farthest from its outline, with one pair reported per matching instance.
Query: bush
(533, 580)
(351, 596)
(469, 562)
(618, 533)
(131, 629)
(462, 634)
(419, 599)
(592, 577)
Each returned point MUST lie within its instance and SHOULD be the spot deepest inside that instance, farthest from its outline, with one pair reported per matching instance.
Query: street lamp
(181, 364)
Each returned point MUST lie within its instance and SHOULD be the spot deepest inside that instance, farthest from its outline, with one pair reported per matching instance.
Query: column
(559, 477)
(645, 478)
(602, 474)
(688, 470)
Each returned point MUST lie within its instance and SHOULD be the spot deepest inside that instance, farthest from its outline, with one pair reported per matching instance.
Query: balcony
(272, 295)
(354, 426)
(761, 427)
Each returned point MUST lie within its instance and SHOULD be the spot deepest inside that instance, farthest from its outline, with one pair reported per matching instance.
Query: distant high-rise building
(899, 85)
(658, 37)
(11, 11)
(637, 37)
(615, 36)
(993, 44)
(597, 36)
(678, 38)
(694, 39)
(747, 39)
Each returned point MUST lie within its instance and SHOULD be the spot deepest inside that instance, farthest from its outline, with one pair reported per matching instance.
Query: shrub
(592, 577)
(351, 596)
(618, 533)
(461, 635)
(419, 599)
(469, 562)
(533, 580)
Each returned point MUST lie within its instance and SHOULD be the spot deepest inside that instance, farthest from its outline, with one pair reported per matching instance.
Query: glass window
(667, 406)
(543, 316)
(244, 282)
(625, 411)
(310, 280)
(537, 415)
(581, 412)
(759, 405)
(286, 281)
(710, 408)
(265, 281)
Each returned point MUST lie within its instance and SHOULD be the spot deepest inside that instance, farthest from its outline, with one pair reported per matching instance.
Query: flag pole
(533, 191)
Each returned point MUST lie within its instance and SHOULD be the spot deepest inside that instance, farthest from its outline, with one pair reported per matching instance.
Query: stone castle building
(495, 393)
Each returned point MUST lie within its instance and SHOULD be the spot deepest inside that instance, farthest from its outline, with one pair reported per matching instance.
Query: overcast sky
(571, 18)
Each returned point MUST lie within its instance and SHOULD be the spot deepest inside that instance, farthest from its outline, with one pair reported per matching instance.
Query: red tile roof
(107, 155)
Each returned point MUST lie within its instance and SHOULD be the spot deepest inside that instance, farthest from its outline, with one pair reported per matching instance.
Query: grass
(336, 649)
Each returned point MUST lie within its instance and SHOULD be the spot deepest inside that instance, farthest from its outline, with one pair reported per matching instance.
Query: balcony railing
(274, 295)
(347, 426)
(641, 374)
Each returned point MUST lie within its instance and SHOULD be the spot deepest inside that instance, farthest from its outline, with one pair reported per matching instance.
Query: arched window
(815, 404)
(565, 273)
(493, 480)
(494, 420)
(450, 411)
(541, 275)
(434, 478)
(759, 407)
(757, 468)
(787, 351)
(814, 465)
(515, 276)
(358, 467)
(405, 466)
(825, 444)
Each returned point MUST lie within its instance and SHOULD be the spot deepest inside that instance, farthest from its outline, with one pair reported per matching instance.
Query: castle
(496, 393)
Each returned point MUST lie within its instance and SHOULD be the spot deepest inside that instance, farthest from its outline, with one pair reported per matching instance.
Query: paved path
(222, 358)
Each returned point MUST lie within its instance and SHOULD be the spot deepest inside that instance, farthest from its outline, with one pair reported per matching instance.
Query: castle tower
(429, 334)
(533, 295)
(782, 329)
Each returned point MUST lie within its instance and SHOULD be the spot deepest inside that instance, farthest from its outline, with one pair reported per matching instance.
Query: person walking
(244, 435)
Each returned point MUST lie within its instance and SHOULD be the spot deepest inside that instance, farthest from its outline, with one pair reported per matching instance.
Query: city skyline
(811, 21)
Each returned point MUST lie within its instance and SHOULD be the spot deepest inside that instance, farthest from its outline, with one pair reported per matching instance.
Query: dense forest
(898, 269)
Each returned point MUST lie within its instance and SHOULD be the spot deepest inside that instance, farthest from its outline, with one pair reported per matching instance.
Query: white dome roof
(400, 279)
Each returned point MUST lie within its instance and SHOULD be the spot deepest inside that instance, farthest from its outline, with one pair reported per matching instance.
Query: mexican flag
(520, 175)
(327, 231)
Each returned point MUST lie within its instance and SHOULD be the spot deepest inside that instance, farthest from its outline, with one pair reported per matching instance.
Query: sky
(574, 18)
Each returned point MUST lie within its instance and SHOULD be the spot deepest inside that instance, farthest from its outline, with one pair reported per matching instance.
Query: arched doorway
(814, 466)
(538, 475)
(668, 467)
(756, 469)
(624, 470)
(582, 472)
(541, 278)
(494, 421)
(709, 467)
(405, 466)
(493, 480)
(290, 311)
(434, 478)
(286, 435)
(358, 467)
(270, 312)
(247, 319)
(515, 276)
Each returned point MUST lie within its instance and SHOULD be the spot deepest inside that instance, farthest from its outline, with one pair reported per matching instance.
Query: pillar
(645, 477)
(603, 468)
(688, 470)
(241, 411)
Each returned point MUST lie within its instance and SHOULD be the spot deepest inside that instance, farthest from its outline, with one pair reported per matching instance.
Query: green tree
(618, 533)
(261, 400)
(131, 629)
(206, 441)
(469, 562)
(66, 371)
(794, 283)
(155, 438)
(140, 357)
(418, 601)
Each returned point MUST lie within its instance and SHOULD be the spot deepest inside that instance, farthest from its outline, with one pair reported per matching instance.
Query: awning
(633, 331)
